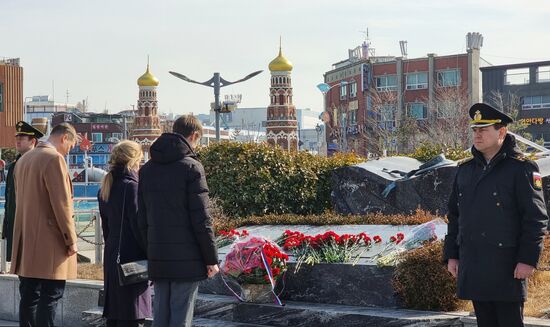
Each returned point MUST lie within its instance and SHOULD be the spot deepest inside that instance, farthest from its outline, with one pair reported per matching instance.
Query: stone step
(7, 323)
(94, 317)
(220, 307)
(528, 322)
(203, 322)
(226, 311)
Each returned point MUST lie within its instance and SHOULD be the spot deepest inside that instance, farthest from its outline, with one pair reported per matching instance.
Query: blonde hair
(127, 154)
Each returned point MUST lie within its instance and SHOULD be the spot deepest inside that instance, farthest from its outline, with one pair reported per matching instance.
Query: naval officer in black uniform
(26, 137)
(497, 218)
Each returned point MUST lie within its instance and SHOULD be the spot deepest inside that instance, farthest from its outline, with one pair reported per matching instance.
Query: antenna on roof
(403, 47)
(366, 48)
(474, 41)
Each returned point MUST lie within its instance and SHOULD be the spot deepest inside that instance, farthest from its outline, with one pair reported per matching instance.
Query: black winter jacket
(173, 212)
(497, 217)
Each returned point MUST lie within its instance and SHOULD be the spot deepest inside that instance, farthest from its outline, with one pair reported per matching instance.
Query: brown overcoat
(44, 225)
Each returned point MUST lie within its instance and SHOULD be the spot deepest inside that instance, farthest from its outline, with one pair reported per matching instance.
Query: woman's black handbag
(132, 272)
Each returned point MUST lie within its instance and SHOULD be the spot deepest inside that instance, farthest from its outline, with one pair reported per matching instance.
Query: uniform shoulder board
(465, 160)
(520, 157)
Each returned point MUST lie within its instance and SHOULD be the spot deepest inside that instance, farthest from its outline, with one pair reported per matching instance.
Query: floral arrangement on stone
(255, 260)
(256, 264)
(417, 237)
(225, 238)
(326, 248)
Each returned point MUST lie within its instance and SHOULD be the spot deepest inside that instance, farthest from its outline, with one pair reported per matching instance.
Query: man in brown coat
(44, 238)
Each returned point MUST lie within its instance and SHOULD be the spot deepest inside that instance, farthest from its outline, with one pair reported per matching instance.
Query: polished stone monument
(400, 185)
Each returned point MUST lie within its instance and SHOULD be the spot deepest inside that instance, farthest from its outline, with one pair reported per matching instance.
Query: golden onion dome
(280, 64)
(147, 79)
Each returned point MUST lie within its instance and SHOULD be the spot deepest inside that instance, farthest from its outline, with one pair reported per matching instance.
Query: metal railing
(87, 227)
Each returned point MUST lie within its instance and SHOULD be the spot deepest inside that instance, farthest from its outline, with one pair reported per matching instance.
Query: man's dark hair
(499, 126)
(64, 129)
(186, 125)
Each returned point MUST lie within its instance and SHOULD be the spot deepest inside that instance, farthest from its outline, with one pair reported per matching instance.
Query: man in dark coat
(176, 225)
(497, 217)
(26, 138)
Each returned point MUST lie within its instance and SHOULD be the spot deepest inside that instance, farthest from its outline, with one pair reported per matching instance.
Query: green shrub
(256, 179)
(423, 282)
(427, 151)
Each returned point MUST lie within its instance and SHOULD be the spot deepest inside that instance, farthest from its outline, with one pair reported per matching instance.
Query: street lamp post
(216, 82)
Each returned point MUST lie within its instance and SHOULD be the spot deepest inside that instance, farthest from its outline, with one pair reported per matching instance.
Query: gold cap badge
(477, 115)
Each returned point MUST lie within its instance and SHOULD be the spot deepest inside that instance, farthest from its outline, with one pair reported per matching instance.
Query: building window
(543, 74)
(353, 89)
(417, 81)
(536, 102)
(519, 76)
(417, 110)
(386, 83)
(387, 117)
(448, 77)
(343, 91)
(117, 136)
(97, 137)
(353, 117)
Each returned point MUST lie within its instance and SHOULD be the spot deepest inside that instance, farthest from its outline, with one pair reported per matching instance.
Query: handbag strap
(121, 225)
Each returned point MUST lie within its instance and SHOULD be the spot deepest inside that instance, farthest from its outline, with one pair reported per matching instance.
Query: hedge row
(222, 222)
(427, 151)
(256, 179)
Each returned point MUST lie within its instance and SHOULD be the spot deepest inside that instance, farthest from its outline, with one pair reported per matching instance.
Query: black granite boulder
(400, 185)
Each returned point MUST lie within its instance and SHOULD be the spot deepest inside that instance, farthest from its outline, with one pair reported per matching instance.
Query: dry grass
(538, 300)
(418, 217)
(90, 271)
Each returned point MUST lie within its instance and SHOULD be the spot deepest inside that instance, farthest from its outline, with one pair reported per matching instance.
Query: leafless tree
(448, 122)
(510, 104)
(380, 130)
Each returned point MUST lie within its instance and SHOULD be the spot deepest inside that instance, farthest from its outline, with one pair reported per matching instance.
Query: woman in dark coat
(124, 305)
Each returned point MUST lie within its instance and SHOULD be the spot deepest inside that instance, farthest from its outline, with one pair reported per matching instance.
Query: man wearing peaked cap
(484, 115)
(24, 129)
(497, 218)
(26, 138)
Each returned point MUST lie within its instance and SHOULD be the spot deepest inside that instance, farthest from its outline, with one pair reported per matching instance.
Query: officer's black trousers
(499, 314)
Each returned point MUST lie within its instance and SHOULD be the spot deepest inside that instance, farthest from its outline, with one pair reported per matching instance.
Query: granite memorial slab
(400, 185)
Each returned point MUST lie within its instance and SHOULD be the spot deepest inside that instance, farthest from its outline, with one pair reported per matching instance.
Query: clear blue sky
(97, 49)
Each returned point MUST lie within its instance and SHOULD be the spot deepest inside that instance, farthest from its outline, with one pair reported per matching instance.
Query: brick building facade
(11, 100)
(368, 92)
